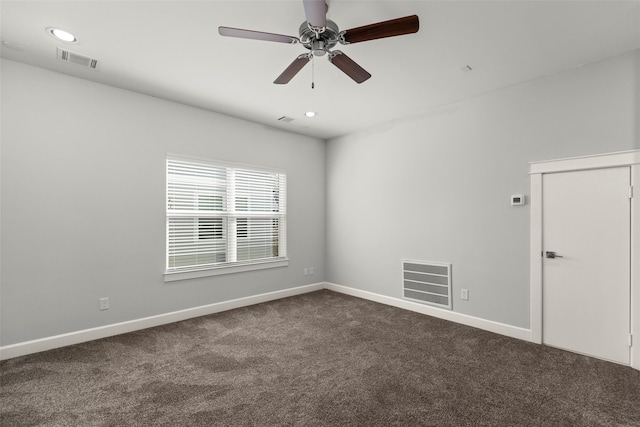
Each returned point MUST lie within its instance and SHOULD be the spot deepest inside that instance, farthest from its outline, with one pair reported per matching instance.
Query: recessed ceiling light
(63, 35)
(310, 114)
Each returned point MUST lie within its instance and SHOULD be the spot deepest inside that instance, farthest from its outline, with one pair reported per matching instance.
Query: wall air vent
(76, 58)
(286, 119)
(427, 282)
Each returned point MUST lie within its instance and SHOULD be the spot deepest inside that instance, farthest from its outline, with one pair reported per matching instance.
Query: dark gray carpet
(312, 360)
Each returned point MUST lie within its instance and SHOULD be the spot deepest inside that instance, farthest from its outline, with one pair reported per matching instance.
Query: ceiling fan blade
(316, 12)
(380, 30)
(256, 35)
(349, 67)
(292, 69)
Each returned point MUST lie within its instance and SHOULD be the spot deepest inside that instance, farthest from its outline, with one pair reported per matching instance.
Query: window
(221, 216)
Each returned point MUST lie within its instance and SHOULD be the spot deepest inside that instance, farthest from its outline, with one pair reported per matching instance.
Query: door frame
(599, 161)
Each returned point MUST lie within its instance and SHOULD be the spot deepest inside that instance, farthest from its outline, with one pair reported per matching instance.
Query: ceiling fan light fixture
(310, 114)
(63, 35)
(318, 48)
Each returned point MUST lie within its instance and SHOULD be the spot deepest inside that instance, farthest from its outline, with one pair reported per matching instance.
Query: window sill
(217, 271)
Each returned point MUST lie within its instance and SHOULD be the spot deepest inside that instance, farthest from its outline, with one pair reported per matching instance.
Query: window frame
(230, 220)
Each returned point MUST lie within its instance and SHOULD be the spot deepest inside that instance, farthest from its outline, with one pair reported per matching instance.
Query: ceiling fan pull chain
(313, 71)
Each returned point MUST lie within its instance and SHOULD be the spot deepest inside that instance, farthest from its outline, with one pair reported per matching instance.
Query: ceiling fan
(320, 35)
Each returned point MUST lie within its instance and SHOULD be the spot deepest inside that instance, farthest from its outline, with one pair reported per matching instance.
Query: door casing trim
(599, 161)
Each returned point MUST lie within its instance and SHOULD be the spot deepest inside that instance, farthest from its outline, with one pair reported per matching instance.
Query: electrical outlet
(104, 303)
(310, 271)
(464, 294)
(306, 271)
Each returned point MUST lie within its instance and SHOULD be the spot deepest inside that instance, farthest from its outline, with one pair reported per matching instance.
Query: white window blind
(222, 215)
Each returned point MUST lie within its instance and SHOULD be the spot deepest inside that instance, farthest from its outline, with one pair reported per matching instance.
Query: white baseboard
(77, 337)
(476, 322)
(49, 343)
(63, 340)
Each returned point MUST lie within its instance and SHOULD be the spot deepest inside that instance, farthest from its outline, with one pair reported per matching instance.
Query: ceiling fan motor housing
(319, 43)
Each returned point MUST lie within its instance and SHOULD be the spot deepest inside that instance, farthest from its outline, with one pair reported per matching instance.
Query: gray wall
(82, 194)
(437, 187)
(83, 202)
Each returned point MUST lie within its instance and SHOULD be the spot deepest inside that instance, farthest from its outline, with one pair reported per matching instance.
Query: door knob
(552, 255)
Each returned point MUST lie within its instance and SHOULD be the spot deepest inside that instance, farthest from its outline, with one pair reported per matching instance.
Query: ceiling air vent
(286, 119)
(76, 58)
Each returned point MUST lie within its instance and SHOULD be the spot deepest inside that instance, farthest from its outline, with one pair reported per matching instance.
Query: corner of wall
(637, 100)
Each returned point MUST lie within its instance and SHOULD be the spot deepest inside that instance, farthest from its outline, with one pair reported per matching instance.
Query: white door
(586, 218)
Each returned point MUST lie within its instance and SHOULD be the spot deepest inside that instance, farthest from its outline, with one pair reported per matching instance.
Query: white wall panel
(83, 203)
(443, 180)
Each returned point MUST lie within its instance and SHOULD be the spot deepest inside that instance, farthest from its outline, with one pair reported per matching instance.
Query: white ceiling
(172, 50)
